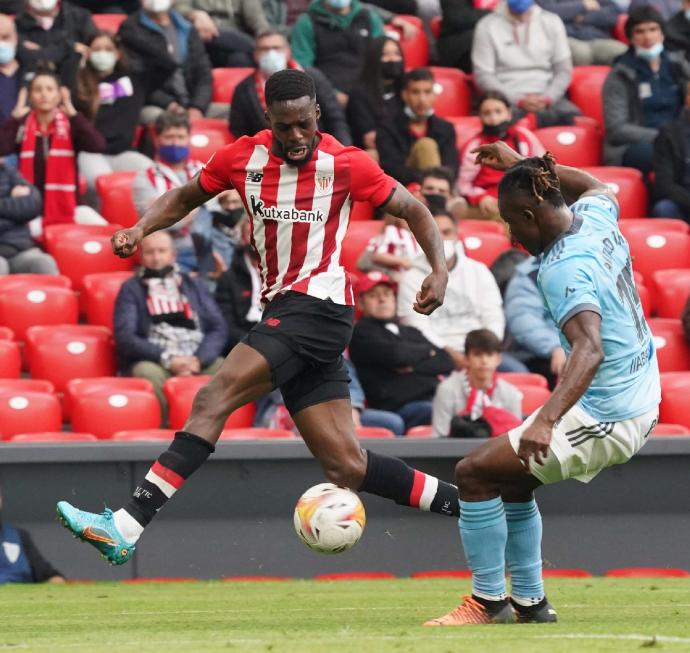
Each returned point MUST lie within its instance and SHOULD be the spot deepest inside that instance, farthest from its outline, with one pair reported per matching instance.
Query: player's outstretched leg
(328, 431)
(244, 376)
(483, 477)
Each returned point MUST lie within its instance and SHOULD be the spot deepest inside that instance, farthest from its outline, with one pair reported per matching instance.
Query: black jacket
(15, 212)
(72, 25)
(363, 115)
(247, 114)
(677, 34)
(380, 357)
(394, 141)
(147, 50)
(234, 297)
(672, 178)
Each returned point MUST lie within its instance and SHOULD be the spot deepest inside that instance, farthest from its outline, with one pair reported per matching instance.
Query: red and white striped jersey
(299, 215)
(396, 241)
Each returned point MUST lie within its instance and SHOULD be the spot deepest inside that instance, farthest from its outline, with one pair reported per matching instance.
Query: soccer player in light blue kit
(601, 412)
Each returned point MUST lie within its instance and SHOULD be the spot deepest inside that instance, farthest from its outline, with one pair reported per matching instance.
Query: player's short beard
(291, 162)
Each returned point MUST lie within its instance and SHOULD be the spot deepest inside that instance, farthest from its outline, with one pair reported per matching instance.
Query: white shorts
(581, 446)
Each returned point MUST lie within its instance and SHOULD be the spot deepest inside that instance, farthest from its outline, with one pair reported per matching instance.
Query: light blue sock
(484, 534)
(523, 552)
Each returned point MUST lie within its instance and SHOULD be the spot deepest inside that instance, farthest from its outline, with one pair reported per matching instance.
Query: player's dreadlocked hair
(535, 175)
(289, 84)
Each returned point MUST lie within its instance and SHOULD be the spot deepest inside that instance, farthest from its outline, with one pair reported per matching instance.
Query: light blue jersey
(588, 268)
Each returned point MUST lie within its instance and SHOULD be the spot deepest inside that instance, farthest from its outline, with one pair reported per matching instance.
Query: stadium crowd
(106, 105)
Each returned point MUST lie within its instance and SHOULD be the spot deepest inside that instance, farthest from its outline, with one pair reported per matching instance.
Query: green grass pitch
(337, 617)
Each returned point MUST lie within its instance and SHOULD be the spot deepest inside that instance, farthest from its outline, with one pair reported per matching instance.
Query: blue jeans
(669, 209)
(415, 413)
(386, 419)
(511, 364)
(639, 155)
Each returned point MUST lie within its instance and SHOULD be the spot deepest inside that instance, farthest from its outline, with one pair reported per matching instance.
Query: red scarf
(260, 82)
(60, 190)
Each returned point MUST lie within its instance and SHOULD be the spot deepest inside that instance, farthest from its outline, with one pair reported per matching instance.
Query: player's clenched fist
(126, 241)
(430, 297)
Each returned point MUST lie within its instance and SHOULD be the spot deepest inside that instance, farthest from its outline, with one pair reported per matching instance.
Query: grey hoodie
(521, 58)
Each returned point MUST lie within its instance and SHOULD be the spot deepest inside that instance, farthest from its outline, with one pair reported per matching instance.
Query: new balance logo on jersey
(254, 177)
(259, 209)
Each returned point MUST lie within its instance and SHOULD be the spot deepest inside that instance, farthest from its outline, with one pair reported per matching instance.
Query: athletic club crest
(324, 182)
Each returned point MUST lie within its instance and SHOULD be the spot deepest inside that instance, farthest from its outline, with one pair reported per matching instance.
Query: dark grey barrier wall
(234, 517)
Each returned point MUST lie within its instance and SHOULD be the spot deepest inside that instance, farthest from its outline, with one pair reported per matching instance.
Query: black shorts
(303, 339)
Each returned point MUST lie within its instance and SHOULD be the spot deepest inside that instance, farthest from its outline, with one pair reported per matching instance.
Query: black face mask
(436, 202)
(392, 70)
(497, 130)
(157, 274)
(227, 218)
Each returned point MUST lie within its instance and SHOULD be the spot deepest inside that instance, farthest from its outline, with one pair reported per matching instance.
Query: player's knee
(467, 472)
(347, 470)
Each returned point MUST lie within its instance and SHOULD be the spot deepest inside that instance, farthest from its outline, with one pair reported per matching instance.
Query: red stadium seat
(618, 31)
(645, 298)
(48, 437)
(646, 224)
(424, 431)
(28, 412)
(524, 378)
(671, 291)
(26, 385)
(356, 575)
(56, 233)
(466, 127)
(665, 430)
(10, 360)
(480, 227)
(105, 412)
(585, 90)
(144, 435)
(6, 333)
(110, 22)
(257, 434)
(207, 136)
(88, 253)
(117, 203)
(374, 432)
(180, 392)
(22, 307)
(416, 48)
(629, 188)
(675, 390)
(485, 247)
(225, 80)
(533, 397)
(100, 292)
(101, 383)
(647, 572)
(361, 211)
(572, 146)
(658, 250)
(58, 280)
(435, 26)
(67, 352)
(442, 573)
(453, 92)
(672, 350)
(356, 240)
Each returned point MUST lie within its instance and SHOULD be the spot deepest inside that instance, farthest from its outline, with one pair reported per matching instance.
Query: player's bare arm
(574, 183)
(583, 332)
(167, 210)
(403, 205)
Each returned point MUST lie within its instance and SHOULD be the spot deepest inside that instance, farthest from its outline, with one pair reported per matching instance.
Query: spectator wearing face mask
(415, 138)
(248, 109)
(437, 191)
(54, 31)
(376, 98)
(111, 97)
(522, 50)
(478, 183)
(644, 90)
(11, 75)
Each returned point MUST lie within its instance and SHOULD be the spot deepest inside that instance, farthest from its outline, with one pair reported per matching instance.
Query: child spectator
(478, 183)
(477, 394)
(48, 134)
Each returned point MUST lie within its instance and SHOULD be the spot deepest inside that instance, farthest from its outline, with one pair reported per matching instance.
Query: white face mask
(156, 6)
(449, 249)
(103, 60)
(272, 61)
(43, 5)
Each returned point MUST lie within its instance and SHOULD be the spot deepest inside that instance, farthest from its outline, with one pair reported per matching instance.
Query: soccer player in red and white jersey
(297, 185)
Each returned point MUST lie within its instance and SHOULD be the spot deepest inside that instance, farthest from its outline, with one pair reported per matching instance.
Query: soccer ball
(329, 519)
